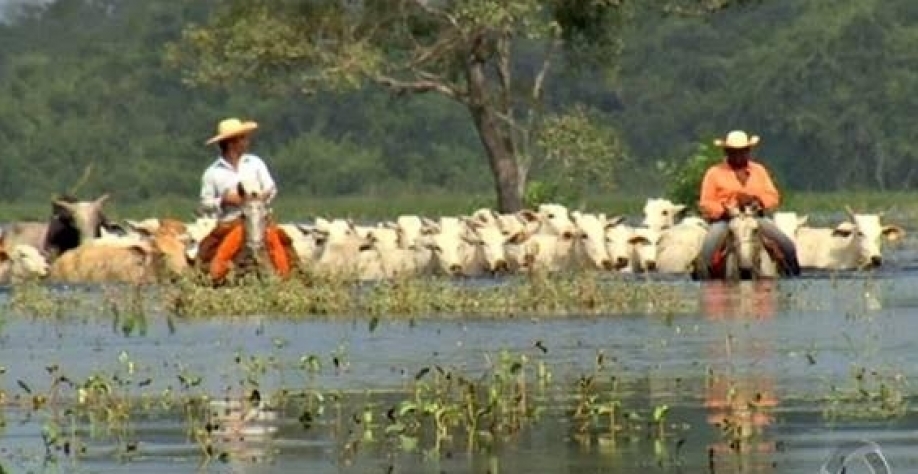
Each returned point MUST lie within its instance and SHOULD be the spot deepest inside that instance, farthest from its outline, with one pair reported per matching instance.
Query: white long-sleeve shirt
(220, 177)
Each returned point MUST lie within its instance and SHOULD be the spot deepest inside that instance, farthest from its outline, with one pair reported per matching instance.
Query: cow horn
(101, 200)
(66, 205)
(850, 211)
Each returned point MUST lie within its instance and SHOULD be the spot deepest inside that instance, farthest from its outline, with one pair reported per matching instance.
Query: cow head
(592, 233)
(645, 241)
(26, 261)
(488, 239)
(617, 236)
(84, 217)
(662, 213)
(867, 231)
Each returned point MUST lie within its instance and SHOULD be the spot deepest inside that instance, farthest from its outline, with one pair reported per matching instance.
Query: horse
(255, 217)
(744, 254)
(251, 256)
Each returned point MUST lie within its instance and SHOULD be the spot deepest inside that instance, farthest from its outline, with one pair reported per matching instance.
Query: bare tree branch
(503, 70)
(419, 87)
(539, 84)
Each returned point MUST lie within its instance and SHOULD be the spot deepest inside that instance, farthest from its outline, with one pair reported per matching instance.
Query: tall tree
(466, 50)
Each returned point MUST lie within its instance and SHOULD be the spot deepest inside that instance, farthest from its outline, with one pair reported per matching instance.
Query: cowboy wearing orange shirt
(738, 182)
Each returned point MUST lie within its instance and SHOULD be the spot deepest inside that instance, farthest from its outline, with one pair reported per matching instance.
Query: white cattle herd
(483, 243)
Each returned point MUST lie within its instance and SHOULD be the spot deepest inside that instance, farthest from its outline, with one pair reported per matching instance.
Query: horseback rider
(220, 197)
(739, 182)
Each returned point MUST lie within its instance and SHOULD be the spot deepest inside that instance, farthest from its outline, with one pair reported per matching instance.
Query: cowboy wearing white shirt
(220, 198)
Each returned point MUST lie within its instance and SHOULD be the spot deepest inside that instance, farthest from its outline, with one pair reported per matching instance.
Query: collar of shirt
(221, 161)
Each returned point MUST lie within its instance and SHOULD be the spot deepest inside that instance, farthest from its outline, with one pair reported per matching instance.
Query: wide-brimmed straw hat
(737, 139)
(232, 127)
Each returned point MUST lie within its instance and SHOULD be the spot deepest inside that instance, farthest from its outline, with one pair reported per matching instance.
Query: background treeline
(830, 84)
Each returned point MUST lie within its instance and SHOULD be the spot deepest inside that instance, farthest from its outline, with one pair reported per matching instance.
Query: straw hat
(737, 139)
(232, 127)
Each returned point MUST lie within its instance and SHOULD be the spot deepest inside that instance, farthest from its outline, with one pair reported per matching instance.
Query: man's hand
(743, 199)
(231, 197)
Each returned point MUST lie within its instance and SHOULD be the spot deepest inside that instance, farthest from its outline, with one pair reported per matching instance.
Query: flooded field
(759, 378)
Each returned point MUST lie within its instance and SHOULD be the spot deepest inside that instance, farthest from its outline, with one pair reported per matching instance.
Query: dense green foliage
(829, 84)
(683, 178)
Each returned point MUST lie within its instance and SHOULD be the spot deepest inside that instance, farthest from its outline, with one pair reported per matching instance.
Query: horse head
(745, 237)
(255, 213)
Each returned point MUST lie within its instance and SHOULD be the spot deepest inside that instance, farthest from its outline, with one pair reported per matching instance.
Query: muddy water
(821, 359)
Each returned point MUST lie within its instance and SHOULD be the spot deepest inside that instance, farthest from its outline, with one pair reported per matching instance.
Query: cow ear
(610, 223)
(842, 230)
(517, 238)
(139, 251)
(893, 232)
(528, 216)
(470, 239)
(638, 239)
(679, 210)
(567, 235)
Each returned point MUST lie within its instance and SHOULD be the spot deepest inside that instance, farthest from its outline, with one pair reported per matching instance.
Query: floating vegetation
(531, 295)
(873, 394)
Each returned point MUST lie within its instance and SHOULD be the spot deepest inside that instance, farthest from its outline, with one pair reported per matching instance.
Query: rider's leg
(713, 241)
(278, 242)
(228, 248)
(770, 231)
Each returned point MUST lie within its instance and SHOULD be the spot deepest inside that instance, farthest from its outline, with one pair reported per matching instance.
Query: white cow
(547, 252)
(789, 223)
(553, 219)
(680, 245)
(589, 249)
(410, 229)
(443, 247)
(618, 243)
(304, 241)
(386, 257)
(851, 245)
(660, 213)
(488, 248)
(21, 263)
(644, 243)
(340, 246)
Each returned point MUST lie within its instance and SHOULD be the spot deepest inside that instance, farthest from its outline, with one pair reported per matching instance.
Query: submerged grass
(539, 295)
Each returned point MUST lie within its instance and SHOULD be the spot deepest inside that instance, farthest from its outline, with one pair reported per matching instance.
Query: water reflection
(241, 427)
(722, 300)
(740, 402)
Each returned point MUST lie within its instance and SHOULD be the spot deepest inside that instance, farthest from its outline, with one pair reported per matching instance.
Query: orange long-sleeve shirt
(720, 188)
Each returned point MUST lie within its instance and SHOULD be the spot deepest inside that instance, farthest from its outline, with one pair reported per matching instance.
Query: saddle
(207, 248)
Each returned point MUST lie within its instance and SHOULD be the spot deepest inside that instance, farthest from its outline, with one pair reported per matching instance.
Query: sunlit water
(792, 347)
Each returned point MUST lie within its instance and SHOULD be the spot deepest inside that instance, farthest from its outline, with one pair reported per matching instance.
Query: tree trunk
(502, 159)
(496, 141)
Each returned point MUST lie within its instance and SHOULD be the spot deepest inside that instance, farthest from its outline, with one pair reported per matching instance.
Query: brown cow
(157, 258)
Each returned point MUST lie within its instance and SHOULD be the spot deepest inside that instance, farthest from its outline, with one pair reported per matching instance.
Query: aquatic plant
(537, 294)
(873, 394)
